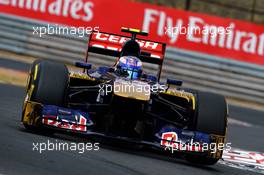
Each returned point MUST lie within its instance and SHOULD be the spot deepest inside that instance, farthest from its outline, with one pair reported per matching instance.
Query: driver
(129, 67)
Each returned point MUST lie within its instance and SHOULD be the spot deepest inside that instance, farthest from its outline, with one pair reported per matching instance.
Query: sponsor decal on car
(122, 40)
(171, 142)
(178, 142)
(66, 124)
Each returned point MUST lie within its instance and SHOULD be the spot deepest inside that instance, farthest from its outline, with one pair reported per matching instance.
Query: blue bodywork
(62, 117)
(66, 116)
(184, 135)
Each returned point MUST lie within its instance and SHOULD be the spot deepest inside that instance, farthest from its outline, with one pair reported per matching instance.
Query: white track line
(233, 121)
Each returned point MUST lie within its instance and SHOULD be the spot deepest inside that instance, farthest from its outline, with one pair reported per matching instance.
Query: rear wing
(111, 44)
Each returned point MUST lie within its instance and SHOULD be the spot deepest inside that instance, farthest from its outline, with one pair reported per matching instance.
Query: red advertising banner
(186, 30)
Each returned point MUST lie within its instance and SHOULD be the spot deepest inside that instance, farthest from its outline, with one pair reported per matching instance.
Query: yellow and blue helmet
(129, 67)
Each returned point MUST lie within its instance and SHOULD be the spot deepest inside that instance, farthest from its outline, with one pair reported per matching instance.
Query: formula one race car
(126, 103)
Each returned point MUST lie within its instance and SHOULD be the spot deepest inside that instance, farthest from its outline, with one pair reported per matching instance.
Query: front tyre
(47, 84)
(210, 118)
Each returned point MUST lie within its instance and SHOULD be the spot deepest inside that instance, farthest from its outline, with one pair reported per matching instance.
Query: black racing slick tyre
(212, 112)
(210, 118)
(47, 84)
(50, 83)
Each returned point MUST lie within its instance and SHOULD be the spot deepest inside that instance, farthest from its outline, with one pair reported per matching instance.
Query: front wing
(168, 137)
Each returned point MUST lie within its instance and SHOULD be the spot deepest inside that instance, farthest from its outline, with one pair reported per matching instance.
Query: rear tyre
(50, 81)
(211, 118)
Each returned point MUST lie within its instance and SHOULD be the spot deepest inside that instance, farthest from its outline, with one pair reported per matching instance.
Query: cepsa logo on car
(120, 40)
(76, 9)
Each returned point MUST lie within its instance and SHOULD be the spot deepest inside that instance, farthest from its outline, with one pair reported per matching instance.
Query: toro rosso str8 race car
(124, 102)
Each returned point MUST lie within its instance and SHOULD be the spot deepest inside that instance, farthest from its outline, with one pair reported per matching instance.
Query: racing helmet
(129, 67)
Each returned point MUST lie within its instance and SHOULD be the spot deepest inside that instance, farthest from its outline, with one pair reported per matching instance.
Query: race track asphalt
(17, 155)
